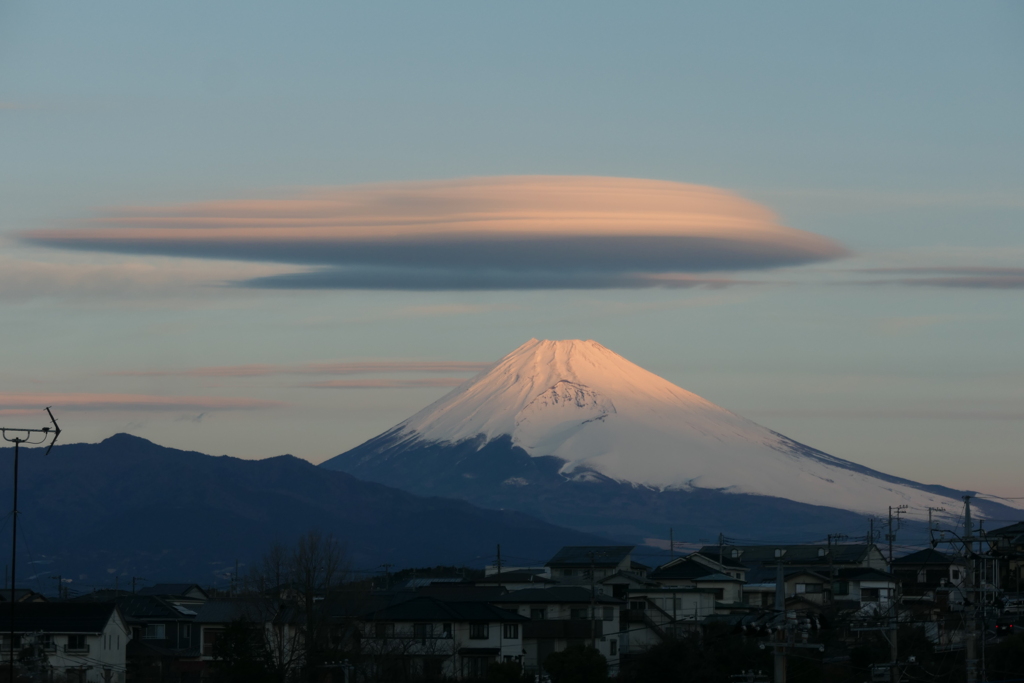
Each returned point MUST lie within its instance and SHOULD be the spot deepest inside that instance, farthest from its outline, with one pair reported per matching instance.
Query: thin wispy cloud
(23, 403)
(388, 383)
(969, 277)
(528, 232)
(360, 368)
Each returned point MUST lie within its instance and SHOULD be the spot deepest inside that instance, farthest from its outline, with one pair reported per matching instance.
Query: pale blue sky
(893, 128)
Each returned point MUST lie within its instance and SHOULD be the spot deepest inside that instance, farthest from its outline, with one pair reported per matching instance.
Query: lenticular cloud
(525, 232)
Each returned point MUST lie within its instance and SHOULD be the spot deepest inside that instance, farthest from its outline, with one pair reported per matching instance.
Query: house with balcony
(428, 638)
(80, 642)
(561, 616)
(653, 615)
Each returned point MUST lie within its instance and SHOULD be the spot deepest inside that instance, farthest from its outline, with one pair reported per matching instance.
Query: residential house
(562, 616)
(724, 579)
(517, 580)
(801, 586)
(281, 626)
(82, 642)
(924, 572)
(865, 589)
(165, 640)
(818, 557)
(432, 638)
(656, 614)
(21, 595)
(581, 564)
(1007, 544)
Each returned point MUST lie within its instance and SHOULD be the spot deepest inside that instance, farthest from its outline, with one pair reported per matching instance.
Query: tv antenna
(31, 437)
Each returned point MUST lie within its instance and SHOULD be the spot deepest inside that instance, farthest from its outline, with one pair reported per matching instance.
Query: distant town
(825, 611)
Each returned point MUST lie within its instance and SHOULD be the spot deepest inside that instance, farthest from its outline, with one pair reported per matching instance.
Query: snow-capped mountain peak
(599, 413)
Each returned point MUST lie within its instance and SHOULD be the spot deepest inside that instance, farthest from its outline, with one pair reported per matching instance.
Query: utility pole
(134, 579)
(891, 536)
(593, 605)
(59, 584)
(931, 531)
(499, 566)
(387, 575)
(831, 562)
(671, 543)
(31, 437)
(780, 609)
(972, 605)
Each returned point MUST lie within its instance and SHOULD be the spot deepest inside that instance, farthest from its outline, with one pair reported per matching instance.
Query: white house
(83, 642)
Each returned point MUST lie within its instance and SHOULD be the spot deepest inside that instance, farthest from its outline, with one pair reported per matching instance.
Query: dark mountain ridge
(129, 507)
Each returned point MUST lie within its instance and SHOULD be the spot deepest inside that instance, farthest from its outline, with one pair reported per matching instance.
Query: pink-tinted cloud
(11, 404)
(365, 368)
(478, 233)
(388, 383)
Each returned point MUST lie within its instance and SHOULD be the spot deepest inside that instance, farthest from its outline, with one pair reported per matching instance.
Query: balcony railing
(77, 649)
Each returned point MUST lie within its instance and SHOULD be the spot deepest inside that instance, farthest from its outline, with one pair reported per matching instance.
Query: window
(568, 572)
(955, 574)
(613, 647)
(384, 630)
(538, 613)
(154, 632)
(841, 588)
(479, 631)
(808, 588)
(609, 613)
(422, 632)
(210, 636)
(76, 643)
(639, 605)
(476, 667)
(510, 631)
(186, 631)
(7, 641)
(45, 641)
(446, 630)
(869, 595)
(578, 613)
(719, 593)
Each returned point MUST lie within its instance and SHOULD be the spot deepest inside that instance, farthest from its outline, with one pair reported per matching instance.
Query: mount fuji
(576, 434)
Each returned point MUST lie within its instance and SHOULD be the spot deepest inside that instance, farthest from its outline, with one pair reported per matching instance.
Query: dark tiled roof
(630, 576)
(685, 568)
(714, 552)
(557, 594)
(795, 554)
(426, 608)
(719, 577)
(147, 608)
(514, 577)
(226, 610)
(926, 556)
(580, 555)
(462, 592)
(57, 617)
(1011, 530)
(171, 589)
(864, 574)
(21, 595)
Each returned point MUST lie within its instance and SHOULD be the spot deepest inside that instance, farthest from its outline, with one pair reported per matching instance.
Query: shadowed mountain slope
(127, 506)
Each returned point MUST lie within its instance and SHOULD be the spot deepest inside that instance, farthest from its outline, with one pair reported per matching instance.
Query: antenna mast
(32, 437)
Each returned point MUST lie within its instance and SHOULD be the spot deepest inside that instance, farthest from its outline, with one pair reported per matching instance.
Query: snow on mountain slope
(598, 412)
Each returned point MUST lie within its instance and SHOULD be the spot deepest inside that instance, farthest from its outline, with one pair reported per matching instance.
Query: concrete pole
(780, 635)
